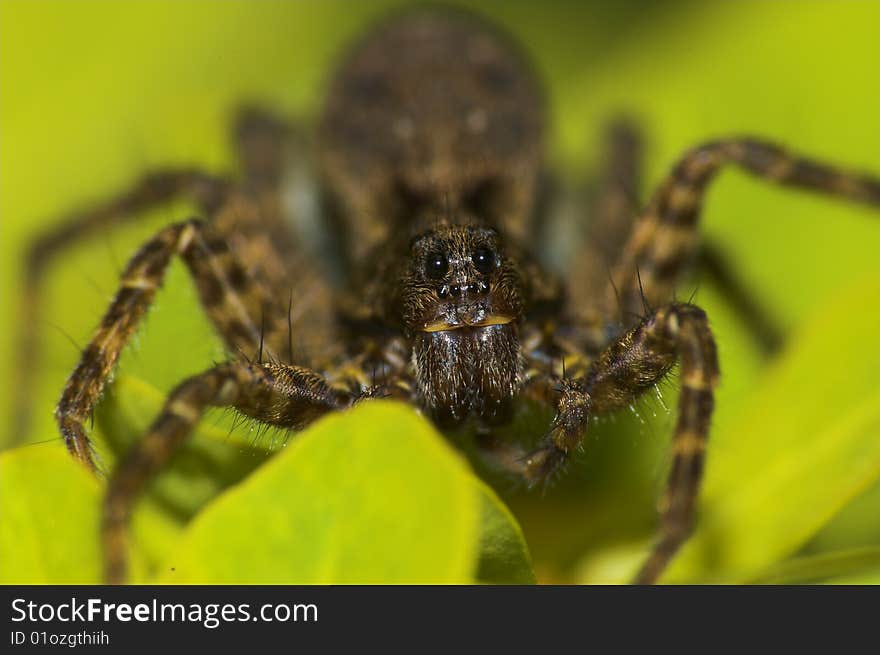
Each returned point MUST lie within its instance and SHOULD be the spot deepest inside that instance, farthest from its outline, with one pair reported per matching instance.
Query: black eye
(484, 260)
(436, 266)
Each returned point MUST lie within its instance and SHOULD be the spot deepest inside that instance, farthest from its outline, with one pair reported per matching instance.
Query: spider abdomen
(456, 121)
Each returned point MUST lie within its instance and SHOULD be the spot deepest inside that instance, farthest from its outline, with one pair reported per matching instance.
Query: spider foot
(541, 466)
(79, 445)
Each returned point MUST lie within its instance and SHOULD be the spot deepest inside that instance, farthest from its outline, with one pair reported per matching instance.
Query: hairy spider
(433, 183)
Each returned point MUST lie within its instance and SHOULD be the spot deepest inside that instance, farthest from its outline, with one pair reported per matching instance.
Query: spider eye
(436, 265)
(484, 260)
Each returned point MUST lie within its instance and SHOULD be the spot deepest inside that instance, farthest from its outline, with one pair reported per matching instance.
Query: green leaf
(49, 509)
(785, 468)
(374, 495)
(613, 565)
(827, 566)
(864, 577)
(504, 555)
(214, 458)
(50, 516)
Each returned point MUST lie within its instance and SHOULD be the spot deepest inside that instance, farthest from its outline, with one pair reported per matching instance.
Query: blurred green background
(96, 92)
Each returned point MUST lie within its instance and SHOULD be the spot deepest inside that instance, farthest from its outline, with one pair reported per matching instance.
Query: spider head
(458, 278)
(461, 300)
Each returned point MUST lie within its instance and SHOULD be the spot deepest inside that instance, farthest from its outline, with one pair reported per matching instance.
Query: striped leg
(626, 369)
(153, 189)
(261, 140)
(277, 394)
(665, 236)
(225, 290)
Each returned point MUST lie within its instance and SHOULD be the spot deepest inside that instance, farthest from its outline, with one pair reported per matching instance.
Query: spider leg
(153, 189)
(633, 364)
(262, 143)
(273, 221)
(229, 296)
(665, 236)
(277, 394)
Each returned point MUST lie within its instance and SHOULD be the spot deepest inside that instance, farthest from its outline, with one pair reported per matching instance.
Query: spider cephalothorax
(460, 300)
(435, 196)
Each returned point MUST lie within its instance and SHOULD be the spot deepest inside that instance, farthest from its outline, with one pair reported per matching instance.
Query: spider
(433, 185)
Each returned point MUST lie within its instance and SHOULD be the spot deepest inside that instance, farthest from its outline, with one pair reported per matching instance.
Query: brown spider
(430, 155)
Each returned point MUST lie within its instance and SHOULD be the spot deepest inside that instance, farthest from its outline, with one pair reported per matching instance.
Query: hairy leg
(639, 359)
(231, 299)
(273, 223)
(666, 234)
(277, 394)
(153, 189)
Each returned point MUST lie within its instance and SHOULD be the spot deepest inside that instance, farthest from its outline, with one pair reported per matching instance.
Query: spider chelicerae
(434, 188)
